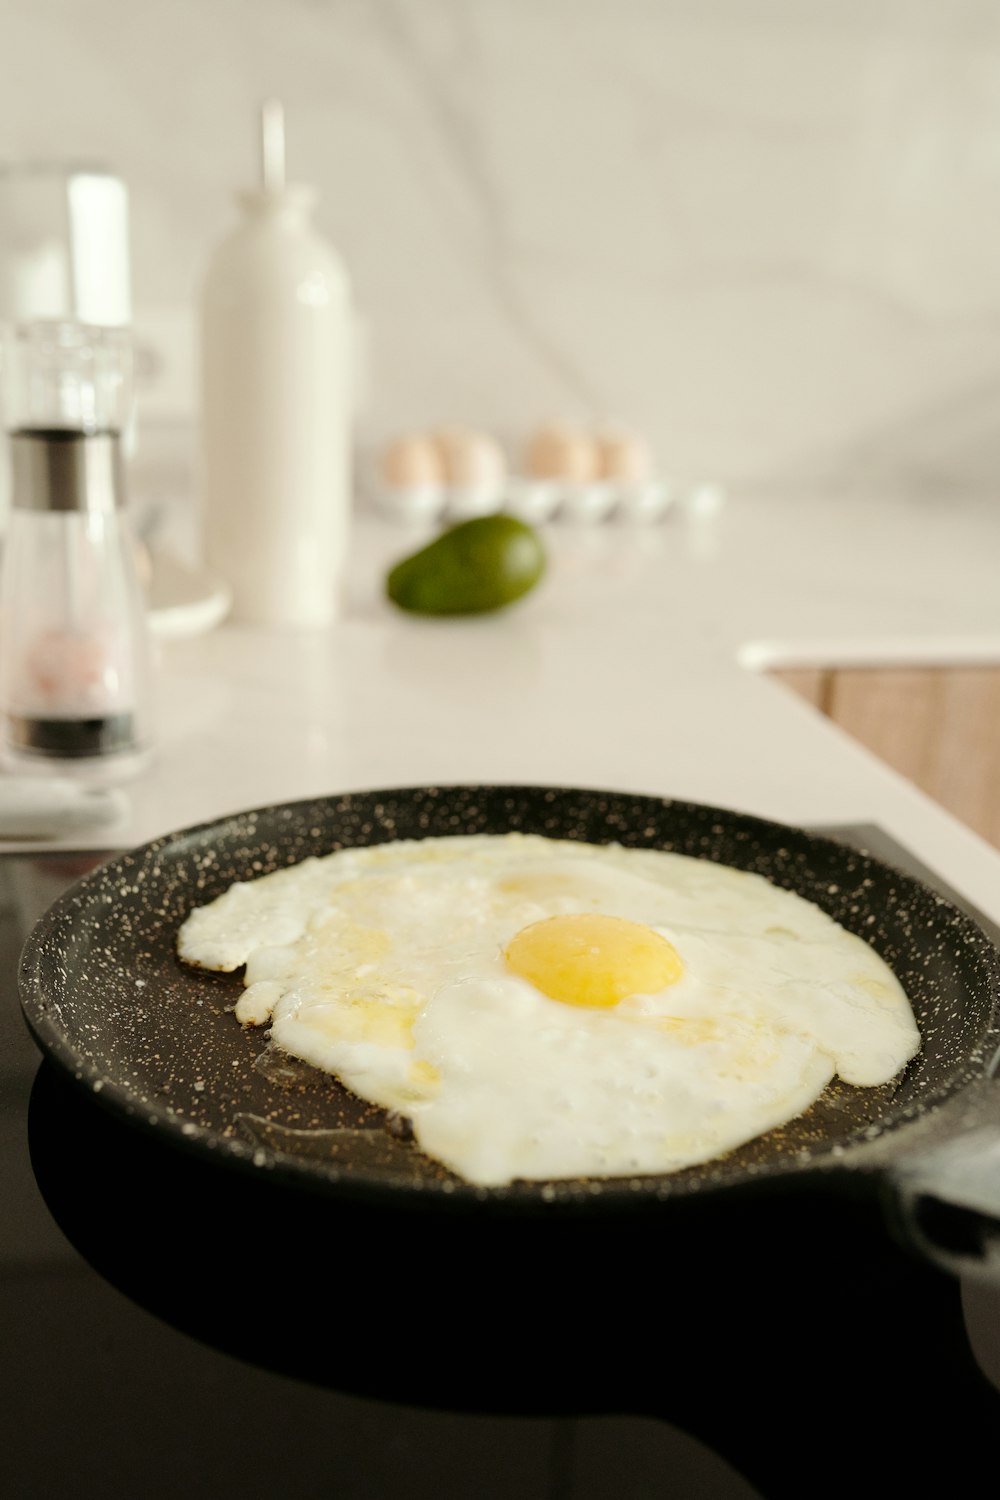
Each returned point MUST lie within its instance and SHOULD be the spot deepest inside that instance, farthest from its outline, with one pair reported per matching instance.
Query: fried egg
(544, 1009)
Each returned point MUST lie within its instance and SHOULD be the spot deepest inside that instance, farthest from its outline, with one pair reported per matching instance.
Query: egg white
(385, 966)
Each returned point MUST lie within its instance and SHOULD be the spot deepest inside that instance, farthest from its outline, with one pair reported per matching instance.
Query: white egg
(475, 471)
(623, 457)
(543, 1009)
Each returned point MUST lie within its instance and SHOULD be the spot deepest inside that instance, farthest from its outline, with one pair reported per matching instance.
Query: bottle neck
(291, 206)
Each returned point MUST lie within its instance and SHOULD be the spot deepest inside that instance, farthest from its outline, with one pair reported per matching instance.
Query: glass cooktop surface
(165, 1332)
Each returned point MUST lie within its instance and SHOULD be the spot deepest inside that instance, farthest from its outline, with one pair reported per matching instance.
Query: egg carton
(540, 501)
(455, 474)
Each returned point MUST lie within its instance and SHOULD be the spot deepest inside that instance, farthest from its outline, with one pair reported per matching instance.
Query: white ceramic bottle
(276, 336)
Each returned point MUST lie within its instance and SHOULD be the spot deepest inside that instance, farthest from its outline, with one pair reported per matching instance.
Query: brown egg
(559, 451)
(623, 456)
(412, 460)
(469, 458)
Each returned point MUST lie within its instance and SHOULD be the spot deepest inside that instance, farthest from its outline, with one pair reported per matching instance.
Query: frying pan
(156, 1043)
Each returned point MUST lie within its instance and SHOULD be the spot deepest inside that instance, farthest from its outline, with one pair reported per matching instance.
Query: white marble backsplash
(765, 232)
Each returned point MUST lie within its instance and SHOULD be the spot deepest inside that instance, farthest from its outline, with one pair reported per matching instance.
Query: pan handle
(944, 1197)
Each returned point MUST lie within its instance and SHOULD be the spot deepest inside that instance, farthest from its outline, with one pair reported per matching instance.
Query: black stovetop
(168, 1331)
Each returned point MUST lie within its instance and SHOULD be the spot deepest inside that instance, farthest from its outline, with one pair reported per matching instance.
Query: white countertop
(634, 665)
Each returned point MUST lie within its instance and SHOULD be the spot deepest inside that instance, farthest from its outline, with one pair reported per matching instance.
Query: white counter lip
(835, 652)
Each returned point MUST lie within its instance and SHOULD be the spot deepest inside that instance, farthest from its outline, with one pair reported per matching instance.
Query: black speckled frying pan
(157, 1044)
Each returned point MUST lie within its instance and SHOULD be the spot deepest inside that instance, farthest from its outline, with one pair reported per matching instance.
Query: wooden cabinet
(938, 726)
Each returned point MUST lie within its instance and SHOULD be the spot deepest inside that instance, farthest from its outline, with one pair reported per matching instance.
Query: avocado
(471, 567)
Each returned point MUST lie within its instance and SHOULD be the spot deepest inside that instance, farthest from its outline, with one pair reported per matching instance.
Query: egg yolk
(587, 959)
